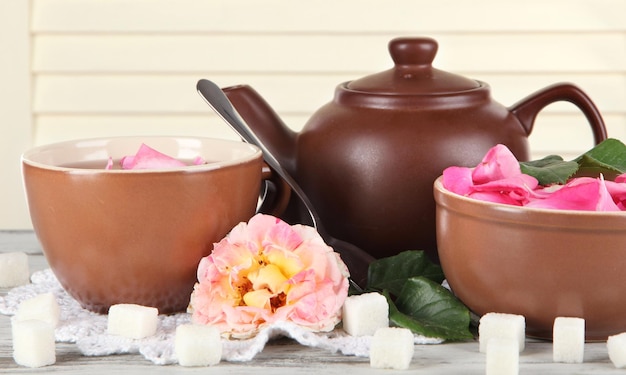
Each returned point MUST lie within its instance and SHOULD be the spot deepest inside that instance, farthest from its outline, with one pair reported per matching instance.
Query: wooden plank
(56, 128)
(60, 128)
(15, 110)
(569, 135)
(172, 93)
(200, 53)
(348, 16)
(607, 91)
(287, 93)
(553, 133)
(117, 94)
(279, 54)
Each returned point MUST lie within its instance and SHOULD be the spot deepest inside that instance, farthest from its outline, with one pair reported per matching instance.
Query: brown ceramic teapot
(368, 159)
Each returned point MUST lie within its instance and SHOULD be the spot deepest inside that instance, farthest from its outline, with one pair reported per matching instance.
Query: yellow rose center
(269, 288)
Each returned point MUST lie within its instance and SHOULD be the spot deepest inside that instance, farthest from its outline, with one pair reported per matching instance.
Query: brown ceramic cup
(540, 263)
(136, 236)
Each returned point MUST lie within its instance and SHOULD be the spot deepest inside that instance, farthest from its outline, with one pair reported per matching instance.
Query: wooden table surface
(284, 356)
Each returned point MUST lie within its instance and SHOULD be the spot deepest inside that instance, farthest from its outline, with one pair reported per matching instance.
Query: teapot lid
(413, 73)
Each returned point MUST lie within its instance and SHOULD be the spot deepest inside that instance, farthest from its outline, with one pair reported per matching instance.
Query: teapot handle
(275, 192)
(526, 110)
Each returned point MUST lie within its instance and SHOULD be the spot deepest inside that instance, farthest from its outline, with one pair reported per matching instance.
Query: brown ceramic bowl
(136, 236)
(535, 262)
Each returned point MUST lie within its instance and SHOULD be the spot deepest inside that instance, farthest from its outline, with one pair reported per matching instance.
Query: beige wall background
(85, 68)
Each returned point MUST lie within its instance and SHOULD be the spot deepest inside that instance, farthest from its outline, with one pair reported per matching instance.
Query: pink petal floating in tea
(149, 158)
(199, 160)
(127, 162)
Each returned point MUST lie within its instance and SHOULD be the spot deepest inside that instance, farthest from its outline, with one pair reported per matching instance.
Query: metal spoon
(355, 258)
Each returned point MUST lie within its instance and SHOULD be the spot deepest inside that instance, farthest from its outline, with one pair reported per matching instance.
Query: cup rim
(245, 153)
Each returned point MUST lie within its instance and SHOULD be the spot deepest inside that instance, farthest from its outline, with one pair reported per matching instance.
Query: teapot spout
(265, 123)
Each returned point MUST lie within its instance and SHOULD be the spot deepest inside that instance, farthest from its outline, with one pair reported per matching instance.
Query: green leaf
(391, 273)
(608, 158)
(550, 170)
(429, 309)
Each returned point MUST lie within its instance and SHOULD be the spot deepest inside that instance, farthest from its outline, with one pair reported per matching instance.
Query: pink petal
(516, 189)
(498, 163)
(127, 162)
(498, 178)
(621, 178)
(458, 180)
(584, 193)
(149, 158)
(282, 235)
(495, 197)
(617, 190)
(199, 160)
(257, 228)
(605, 201)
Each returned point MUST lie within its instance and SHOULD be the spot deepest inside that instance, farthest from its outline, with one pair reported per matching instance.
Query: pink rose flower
(149, 158)
(267, 271)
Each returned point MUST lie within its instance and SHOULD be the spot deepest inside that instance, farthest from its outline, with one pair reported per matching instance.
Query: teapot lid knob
(413, 51)
(413, 73)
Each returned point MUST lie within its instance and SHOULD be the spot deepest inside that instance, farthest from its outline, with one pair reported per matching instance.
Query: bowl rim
(249, 153)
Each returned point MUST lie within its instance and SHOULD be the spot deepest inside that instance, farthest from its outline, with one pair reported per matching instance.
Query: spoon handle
(216, 99)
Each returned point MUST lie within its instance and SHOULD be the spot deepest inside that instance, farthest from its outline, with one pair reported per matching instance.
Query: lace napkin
(89, 330)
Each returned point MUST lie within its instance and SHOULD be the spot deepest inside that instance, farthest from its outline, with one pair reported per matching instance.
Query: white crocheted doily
(89, 330)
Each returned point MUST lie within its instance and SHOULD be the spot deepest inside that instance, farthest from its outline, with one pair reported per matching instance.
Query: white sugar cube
(502, 356)
(616, 346)
(568, 340)
(363, 314)
(33, 343)
(501, 325)
(132, 321)
(391, 348)
(198, 345)
(14, 269)
(41, 307)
